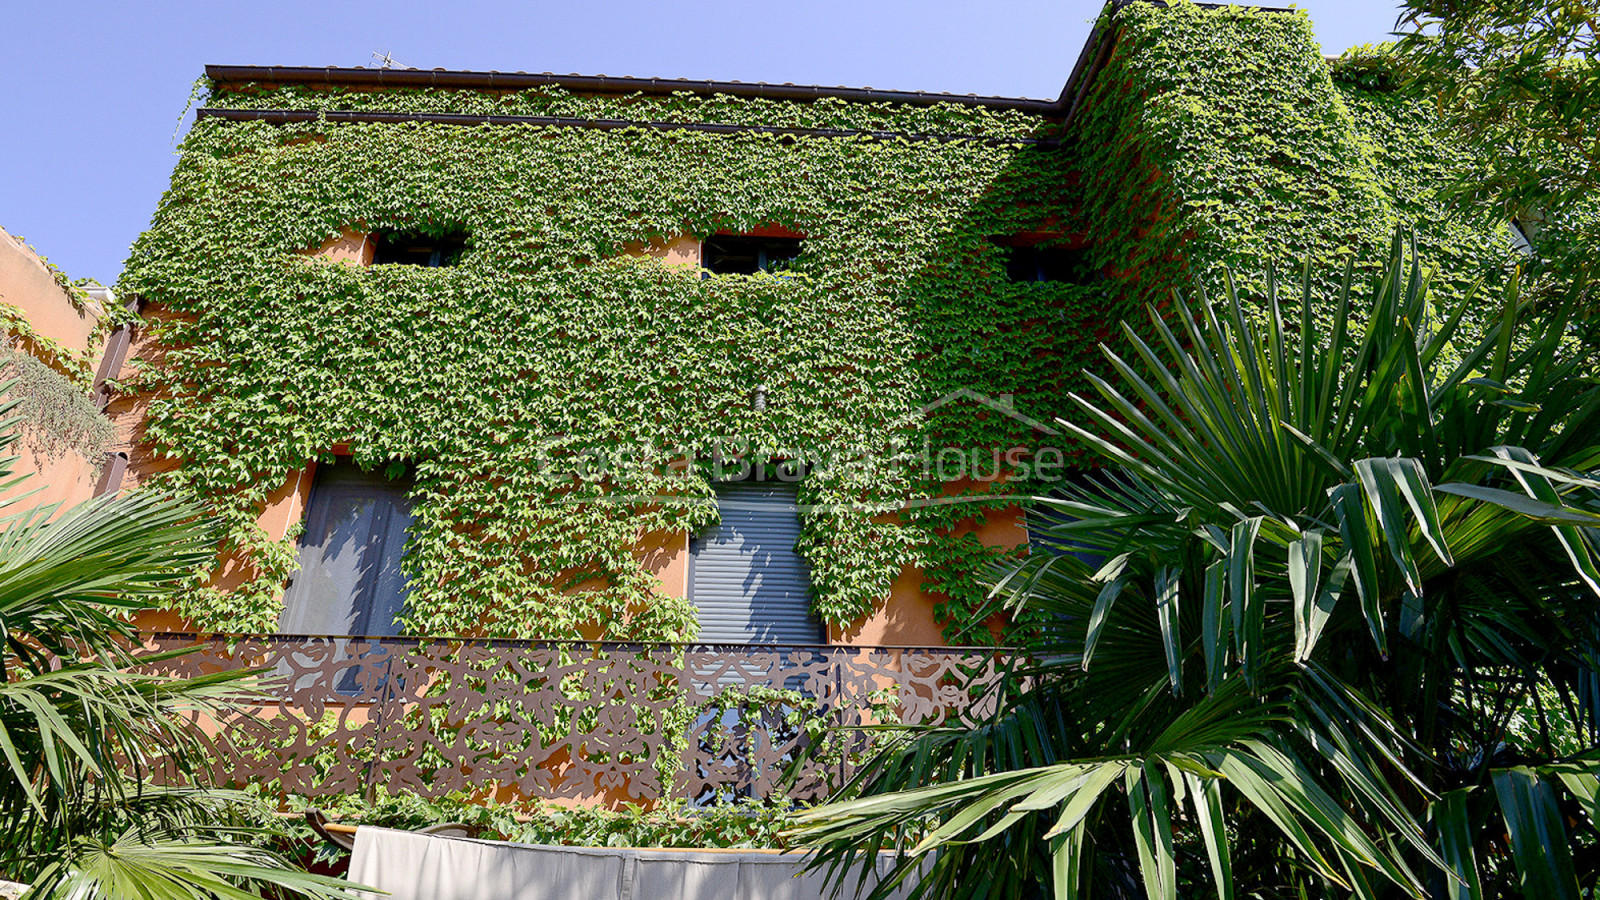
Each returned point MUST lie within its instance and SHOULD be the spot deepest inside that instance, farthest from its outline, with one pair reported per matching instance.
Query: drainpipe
(116, 346)
(115, 465)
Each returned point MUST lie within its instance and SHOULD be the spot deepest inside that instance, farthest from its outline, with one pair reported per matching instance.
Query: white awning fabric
(412, 866)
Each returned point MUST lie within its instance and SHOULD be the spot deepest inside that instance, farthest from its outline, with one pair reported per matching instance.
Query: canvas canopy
(412, 866)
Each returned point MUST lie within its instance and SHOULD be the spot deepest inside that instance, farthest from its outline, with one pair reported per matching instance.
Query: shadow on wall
(1008, 308)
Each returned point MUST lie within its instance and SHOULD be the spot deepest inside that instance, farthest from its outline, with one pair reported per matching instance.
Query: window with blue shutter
(747, 582)
(1041, 517)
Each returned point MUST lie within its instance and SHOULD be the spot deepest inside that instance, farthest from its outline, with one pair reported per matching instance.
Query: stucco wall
(27, 284)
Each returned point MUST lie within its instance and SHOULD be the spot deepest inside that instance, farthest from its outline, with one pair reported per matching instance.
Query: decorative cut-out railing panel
(580, 720)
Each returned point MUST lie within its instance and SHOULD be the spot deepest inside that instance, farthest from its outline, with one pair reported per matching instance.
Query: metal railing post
(380, 715)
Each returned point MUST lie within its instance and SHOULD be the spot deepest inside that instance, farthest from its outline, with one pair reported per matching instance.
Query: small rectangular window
(1035, 263)
(737, 254)
(419, 250)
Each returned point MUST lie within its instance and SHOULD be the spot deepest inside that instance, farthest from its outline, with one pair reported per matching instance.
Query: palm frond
(1334, 565)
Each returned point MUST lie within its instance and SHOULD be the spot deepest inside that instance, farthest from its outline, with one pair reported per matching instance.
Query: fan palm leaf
(1339, 566)
(83, 724)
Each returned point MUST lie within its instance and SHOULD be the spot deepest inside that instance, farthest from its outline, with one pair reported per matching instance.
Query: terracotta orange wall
(67, 480)
(26, 283)
(679, 250)
(665, 554)
(352, 248)
(285, 506)
(906, 618)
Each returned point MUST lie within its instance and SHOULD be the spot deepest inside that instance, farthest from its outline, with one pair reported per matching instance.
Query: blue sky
(91, 93)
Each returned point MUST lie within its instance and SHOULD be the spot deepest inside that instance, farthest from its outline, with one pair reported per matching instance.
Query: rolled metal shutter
(747, 582)
(1040, 518)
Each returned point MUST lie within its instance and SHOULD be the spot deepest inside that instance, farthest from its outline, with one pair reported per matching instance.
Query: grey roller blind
(1039, 521)
(747, 582)
(1040, 518)
(349, 580)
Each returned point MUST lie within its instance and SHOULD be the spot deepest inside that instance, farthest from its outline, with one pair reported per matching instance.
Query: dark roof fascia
(1092, 58)
(1096, 52)
(291, 116)
(332, 76)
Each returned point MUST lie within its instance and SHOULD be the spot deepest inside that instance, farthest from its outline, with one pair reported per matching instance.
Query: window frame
(363, 601)
(696, 545)
(763, 247)
(1049, 261)
(444, 251)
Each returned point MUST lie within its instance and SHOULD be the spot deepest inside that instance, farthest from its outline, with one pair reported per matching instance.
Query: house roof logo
(981, 463)
(1004, 404)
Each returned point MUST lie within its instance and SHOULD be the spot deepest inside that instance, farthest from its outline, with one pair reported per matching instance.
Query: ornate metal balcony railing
(583, 720)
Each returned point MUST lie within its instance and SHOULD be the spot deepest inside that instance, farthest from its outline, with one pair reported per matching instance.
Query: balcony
(585, 721)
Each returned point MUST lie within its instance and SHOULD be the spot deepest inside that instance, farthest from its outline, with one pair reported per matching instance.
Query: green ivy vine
(1212, 137)
(1221, 137)
(57, 413)
(496, 378)
(742, 824)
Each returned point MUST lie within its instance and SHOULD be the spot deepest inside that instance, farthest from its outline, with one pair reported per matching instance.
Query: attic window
(741, 254)
(429, 251)
(1027, 263)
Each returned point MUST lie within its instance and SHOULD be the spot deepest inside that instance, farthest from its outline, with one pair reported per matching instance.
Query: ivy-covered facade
(561, 395)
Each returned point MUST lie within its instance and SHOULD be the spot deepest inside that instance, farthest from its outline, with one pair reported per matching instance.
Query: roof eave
(360, 77)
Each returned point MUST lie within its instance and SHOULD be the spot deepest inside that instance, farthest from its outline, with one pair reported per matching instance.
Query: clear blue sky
(91, 93)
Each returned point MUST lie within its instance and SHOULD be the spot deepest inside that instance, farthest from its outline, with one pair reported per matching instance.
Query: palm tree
(1343, 640)
(81, 729)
